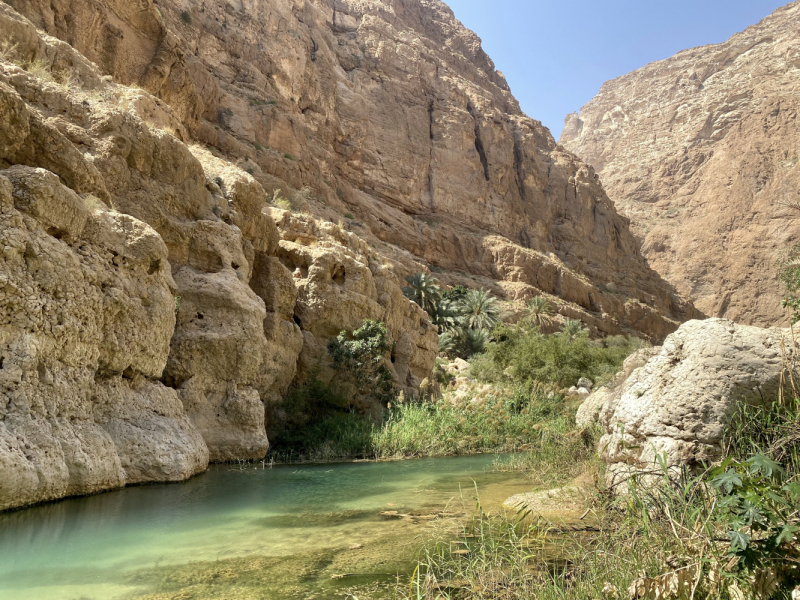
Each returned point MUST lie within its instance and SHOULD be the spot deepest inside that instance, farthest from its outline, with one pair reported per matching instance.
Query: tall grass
(675, 540)
(485, 419)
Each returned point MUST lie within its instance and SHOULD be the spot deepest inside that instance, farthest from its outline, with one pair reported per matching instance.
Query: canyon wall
(390, 113)
(195, 197)
(699, 151)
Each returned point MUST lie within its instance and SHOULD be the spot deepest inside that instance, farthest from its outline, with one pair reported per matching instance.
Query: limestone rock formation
(679, 404)
(80, 411)
(149, 323)
(698, 151)
(589, 410)
(391, 113)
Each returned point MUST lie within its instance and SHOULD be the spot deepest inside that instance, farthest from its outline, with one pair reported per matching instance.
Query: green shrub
(359, 359)
(288, 156)
(790, 274)
(348, 215)
(186, 17)
(503, 421)
(559, 358)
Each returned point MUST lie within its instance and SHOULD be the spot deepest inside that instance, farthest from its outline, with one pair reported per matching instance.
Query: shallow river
(309, 532)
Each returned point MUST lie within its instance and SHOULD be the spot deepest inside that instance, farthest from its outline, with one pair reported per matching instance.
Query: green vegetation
(534, 419)
(528, 355)
(280, 201)
(258, 147)
(540, 313)
(349, 215)
(729, 532)
(359, 360)
(790, 273)
(186, 17)
(464, 317)
(288, 156)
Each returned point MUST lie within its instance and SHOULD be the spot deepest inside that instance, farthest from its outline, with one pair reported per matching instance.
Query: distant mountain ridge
(698, 151)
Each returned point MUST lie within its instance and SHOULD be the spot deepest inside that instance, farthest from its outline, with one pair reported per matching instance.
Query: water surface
(309, 532)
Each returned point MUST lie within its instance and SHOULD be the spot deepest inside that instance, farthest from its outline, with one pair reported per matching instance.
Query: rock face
(698, 151)
(149, 323)
(80, 411)
(680, 402)
(139, 145)
(391, 113)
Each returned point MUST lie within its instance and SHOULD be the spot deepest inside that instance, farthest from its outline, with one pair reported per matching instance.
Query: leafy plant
(186, 17)
(573, 329)
(360, 360)
(790, 274)
(559, 359)
(540, 312)
(279, 201)
(463, 342)
(758, 507)
(288, 156)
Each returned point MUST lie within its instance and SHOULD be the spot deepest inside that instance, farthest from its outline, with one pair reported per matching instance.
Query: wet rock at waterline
(680, 402)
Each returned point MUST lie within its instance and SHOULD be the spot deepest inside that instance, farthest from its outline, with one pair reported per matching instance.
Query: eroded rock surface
(392, 114)
(149, 323)
(698, 151)
(680, 402)
(80, 408)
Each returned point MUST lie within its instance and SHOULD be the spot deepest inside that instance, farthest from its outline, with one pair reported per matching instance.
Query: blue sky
(556, 54)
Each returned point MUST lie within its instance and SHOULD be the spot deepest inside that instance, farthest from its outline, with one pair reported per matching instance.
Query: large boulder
(589, 412)
(677, 407)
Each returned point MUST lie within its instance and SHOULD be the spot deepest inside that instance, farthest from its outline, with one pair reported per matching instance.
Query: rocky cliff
(195, 197)
(698, 151)
(390, 112)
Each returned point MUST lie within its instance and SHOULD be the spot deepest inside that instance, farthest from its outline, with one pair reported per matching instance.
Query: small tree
(360, 359)
(445, 316)
(573, 329)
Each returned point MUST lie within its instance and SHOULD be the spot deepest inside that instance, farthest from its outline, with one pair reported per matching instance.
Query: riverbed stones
(678, 405)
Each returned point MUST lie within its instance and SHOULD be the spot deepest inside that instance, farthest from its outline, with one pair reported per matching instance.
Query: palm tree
(444, 316)
(573, 328)
(479, 310)
(423, 290)
(463, 342)
(540, 313)
(448, 342)
(474, 342)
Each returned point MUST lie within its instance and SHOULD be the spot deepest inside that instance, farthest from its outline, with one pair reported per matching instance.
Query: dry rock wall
(396, 120)
(148, 321)
(699, 150)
